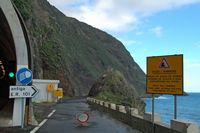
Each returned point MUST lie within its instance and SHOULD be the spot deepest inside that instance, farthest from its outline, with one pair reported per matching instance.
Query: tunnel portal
(15, 53)
(7, 60)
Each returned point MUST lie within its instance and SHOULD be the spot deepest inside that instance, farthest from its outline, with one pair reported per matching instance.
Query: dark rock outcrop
(112, 86)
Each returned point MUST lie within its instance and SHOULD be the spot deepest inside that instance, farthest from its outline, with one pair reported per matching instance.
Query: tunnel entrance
(15, 53)
(7, 68)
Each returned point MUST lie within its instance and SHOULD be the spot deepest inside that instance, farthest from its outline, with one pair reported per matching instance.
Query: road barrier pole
(175, 106)
(153, 113)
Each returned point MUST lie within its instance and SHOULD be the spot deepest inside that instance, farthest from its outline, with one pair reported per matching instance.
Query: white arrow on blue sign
(24, 76)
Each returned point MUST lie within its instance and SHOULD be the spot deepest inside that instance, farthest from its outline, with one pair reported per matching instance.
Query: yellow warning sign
(165, 75)
(50, 87)
(58, 93)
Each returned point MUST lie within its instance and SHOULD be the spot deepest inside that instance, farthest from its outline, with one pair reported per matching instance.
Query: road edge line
(43, 122)
(51, 113)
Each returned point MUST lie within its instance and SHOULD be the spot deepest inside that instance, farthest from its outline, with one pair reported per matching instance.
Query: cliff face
(112, 86)
(72, 51)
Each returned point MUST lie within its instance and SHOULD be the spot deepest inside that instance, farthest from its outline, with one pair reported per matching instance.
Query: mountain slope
(113, 87)
(72, 51)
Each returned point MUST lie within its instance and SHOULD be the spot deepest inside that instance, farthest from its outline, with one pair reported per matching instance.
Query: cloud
(197, 44)
(63, 3)
(130, 42)
(103, 15)
(115, 15)
(192, 63)
(139, 33)
(191, 74)
(191, 81)
(158, 30)
(132, 55)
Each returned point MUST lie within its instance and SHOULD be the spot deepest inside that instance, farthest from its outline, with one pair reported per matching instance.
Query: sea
(188, 107)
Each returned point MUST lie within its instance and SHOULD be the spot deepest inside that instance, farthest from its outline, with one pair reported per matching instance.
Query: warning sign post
(165, 75)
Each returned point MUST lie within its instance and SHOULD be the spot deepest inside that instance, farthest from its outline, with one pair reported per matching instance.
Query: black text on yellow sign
(165, 75)
(58, 93)
(50, 87)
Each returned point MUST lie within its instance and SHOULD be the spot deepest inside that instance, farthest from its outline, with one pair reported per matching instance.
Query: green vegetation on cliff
(112, 86)
(25, 8)
(74, 52)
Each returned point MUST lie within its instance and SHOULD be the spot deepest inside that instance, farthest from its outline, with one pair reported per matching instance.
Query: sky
(147, 28)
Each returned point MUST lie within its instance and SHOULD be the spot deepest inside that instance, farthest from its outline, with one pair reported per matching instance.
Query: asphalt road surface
(64, 120)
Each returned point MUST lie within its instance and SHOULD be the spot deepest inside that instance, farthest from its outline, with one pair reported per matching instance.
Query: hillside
(73, 52)
(112, 86)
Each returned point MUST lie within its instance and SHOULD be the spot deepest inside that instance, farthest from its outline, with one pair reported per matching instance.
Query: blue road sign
(24, 76)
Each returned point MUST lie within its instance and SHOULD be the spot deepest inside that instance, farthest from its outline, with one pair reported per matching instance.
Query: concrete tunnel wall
(14, 23)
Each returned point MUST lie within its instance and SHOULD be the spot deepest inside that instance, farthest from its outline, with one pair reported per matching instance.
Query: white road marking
(43, 122)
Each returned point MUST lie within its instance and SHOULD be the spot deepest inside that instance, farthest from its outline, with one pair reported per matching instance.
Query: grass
(66, 97)
(41, 110)
(117, 99)
(24, 7)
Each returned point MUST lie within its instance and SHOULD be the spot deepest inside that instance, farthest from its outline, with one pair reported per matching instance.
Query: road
(5, 112)
(64, 120)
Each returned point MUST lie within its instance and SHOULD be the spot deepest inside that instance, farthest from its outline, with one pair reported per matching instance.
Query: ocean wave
(157, 98)
(188, 107)
(161, 98)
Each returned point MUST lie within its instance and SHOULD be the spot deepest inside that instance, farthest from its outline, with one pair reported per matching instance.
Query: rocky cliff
(74, 52)
(113, 87)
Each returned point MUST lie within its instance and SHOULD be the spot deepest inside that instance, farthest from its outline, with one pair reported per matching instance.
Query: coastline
(188, 107)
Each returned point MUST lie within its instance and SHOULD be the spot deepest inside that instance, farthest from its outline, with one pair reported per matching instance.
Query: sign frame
(165, 65)
(58, 93)
(23, 91)
(50, 87)
(82, 118)
(21, 73)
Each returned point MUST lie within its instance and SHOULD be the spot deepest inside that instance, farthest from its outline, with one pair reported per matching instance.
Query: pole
(23, 112)
(175, 106)
(27, 106)
(47, 96)
(152, 113)
(152, 108)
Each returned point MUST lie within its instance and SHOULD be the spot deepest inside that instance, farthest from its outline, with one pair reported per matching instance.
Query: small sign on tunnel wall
(24, 76)
(58, 93)
(50, 87)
